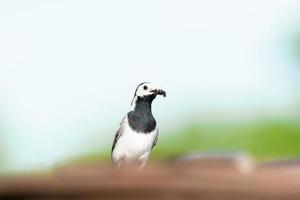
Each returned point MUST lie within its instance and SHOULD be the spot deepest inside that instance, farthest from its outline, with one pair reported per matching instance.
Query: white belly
(133, 146)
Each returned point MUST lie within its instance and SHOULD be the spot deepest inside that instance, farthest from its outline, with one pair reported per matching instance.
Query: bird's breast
(134, 144)
(141, 121)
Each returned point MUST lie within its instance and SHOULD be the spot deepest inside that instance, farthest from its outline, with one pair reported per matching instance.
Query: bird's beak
(161, 92)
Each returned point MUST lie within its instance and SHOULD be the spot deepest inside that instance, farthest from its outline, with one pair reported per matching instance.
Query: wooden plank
(204, 180)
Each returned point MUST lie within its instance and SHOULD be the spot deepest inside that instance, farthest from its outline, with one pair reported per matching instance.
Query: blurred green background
(263, 139)
(68, 71)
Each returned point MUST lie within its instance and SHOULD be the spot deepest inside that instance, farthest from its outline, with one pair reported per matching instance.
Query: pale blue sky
(68, 69)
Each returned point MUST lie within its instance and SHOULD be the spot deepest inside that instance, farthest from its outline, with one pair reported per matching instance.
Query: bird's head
(146, 92)
(148, 89)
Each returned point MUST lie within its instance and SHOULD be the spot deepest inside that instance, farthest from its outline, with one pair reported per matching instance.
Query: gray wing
(156, 139)
(118, 134)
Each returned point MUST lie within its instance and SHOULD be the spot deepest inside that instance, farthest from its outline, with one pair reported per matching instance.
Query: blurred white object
(237, 161)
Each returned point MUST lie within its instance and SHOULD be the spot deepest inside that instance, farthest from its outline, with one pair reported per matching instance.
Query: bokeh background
(68, 71)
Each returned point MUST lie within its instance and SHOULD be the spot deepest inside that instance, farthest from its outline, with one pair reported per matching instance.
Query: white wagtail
(137, 133)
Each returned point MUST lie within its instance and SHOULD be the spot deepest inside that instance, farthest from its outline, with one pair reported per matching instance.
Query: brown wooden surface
(206, 180)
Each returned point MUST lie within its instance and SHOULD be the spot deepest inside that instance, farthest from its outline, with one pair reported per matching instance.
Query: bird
(137, 133)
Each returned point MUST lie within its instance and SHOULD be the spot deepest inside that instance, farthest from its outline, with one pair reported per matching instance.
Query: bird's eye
(145, 87)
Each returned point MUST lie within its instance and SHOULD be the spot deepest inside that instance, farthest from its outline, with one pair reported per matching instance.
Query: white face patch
(145, 89)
